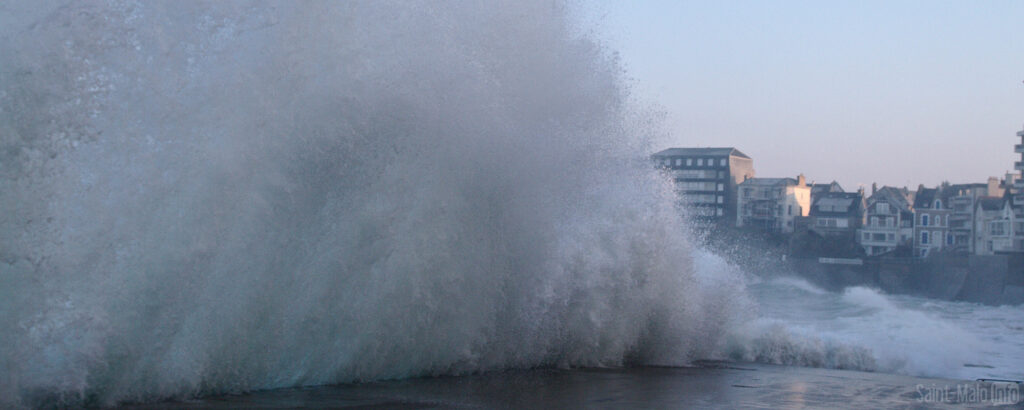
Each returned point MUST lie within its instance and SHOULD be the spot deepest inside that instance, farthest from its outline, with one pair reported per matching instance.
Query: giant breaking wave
(214, 197)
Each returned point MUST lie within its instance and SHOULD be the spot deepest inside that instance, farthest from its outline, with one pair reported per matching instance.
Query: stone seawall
(990, 279)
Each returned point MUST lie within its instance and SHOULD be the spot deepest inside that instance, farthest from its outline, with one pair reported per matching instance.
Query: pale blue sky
(898, 92)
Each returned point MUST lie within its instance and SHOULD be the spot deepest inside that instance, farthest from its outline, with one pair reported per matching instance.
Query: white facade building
(772, 204)
(889, 223)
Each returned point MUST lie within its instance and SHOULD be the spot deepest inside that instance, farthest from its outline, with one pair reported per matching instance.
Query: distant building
(1016, 199)
(837, 214)
(772, 204)
(818, 189)
(931, 222)
(889, 223)
(995, 225)
(961, 199)
(1018, 186)
(706, 178)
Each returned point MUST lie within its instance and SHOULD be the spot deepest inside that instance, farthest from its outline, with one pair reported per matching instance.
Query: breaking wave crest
(774, 343)
(864, 329)
(219, 197)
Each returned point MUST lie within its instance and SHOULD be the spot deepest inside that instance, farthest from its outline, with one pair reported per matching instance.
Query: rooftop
(716, 152)
(925, 197)
(990, 203)
(836, 203)
(768, 181)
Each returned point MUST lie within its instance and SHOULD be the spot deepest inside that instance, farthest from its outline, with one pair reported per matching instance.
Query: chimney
(801, 180)
(874, 188)
(993, 186)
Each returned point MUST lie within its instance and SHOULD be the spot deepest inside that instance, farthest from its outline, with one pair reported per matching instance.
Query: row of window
(764, 193)
(887, 222)
(833, 222)
(997, 228)
(924, 220)
(878, 237)
(698, 174)
(703, 198)
(700, 162)
(706, 211)
(926, 238)
(700, 186)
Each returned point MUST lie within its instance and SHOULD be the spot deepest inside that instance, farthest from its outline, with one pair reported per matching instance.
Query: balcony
(874, 242)
(880, 229)
(1019, 148)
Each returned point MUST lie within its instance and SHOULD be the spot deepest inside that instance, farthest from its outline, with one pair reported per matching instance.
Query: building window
(874, 221)
(719, 211)
(997, 228)
(721, 162)
(866, 236)
(882, 208)
(949, 239)
(924, 238)
(721, 187)
(679, 161)
(938, 204)
(938, 220)
(924, 220)
(700, 162)
(689, 162)
(890, 236)
(721, 199)
(790, 212)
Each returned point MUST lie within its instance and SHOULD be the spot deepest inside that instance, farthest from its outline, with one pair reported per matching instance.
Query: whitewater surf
(219, 197)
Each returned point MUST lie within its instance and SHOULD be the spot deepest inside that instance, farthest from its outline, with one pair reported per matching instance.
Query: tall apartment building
(1019, 166)
(706, 178)
(1017, 198)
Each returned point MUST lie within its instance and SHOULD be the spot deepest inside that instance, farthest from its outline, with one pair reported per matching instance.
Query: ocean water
(865, 329)
(208, 198)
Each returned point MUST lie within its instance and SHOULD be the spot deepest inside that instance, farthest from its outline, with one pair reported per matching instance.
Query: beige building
(772, 204)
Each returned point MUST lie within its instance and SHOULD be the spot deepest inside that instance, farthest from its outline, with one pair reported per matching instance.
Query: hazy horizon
(898, 93)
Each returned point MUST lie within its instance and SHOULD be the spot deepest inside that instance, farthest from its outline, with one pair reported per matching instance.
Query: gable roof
(898, 196)
(716, 152)
(829, 187)
(991, 203)
(925, 197)
(837, 203)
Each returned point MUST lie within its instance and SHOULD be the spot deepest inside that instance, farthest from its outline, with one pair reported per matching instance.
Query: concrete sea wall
(990, 279)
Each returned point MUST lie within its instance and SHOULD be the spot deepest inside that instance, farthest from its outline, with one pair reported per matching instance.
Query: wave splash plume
(219, 197)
